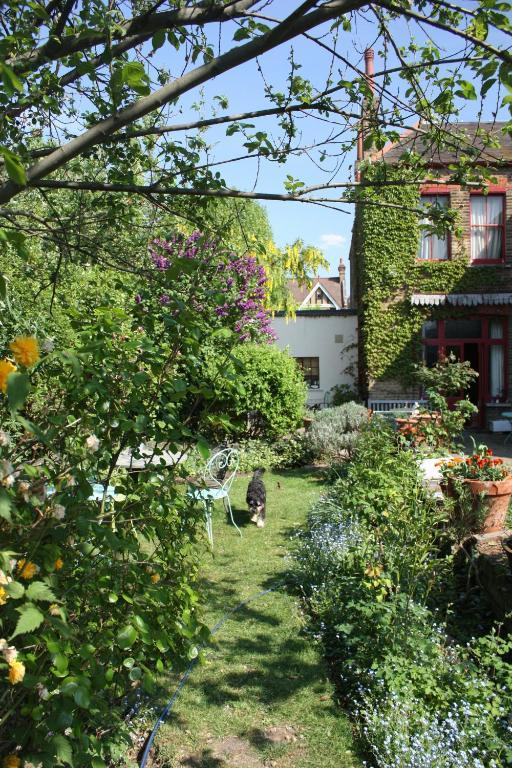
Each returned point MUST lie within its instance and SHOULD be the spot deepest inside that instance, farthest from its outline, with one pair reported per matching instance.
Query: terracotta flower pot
(495, 496)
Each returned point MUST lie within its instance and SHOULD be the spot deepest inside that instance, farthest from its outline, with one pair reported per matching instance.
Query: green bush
(341, 394)
(372, 569)
(269, 398)
(334, 431)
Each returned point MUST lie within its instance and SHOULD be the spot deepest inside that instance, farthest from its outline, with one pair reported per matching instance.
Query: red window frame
(501, 226)
(484, 341)
(435, 193)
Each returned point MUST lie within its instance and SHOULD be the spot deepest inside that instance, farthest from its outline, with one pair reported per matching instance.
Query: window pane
(495, 210)
(430, 329)
(439, 247)
(496, 329)
(496, 371)
(478, 217)
(463, 329)
(453, 352)
(477, 243)
(493, 243)
(431, 354)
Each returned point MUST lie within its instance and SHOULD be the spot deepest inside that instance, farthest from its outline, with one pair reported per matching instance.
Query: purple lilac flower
(138, 299)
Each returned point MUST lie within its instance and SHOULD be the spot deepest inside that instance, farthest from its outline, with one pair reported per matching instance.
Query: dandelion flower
(25, 350)
(6, 368)
(3, 596)
(58, 564)
(16, 672)
(155, 578)
(11, 761)
(26, 570)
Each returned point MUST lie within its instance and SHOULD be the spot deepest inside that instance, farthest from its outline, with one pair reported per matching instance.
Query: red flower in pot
(488, 480)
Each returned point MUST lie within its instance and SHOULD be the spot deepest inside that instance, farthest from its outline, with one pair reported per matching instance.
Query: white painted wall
(326, 336)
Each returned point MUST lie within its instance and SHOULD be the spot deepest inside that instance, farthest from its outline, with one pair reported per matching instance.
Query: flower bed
(374, 573)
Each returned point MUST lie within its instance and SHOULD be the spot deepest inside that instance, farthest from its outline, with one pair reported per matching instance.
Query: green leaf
(30, 618)
(18, 385)
(466, 90)
(97, 763)
(127, 636)
(82, 697)
(158, 39)
(129, 662)
(15, 590)
(5, 506)
(10, 80)
(61, 663)
(135, 673)
(38, 590)
(14, 167)
(203, 449)
(134, 76)
(62, 749)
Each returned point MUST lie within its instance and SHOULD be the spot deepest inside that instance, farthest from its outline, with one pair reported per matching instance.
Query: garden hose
(170, 704)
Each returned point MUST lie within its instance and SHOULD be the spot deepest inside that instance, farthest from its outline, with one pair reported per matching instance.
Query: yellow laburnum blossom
(155, 578)
(3, 596)
(25, 350)
(26, 570)
(16, 672)
(58, 564)
(6, 368)
(11, 761)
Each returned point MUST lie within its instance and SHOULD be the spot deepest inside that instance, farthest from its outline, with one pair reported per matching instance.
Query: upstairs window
(433, 247)
(487, 228)
(310, 367)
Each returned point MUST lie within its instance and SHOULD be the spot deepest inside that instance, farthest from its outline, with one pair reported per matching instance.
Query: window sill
(432, 261)
(487, 263)
(498, 405)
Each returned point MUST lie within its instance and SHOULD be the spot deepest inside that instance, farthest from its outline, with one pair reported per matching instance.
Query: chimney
(341, 273)
(369, 71)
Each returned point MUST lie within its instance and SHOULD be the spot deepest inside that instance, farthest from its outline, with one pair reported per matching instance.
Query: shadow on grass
(205, 760)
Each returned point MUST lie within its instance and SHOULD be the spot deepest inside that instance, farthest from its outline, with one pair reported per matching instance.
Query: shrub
(270, 393)
(334, 431)
(341, 394)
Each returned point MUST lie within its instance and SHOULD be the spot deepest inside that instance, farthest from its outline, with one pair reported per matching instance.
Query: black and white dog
(256, 498)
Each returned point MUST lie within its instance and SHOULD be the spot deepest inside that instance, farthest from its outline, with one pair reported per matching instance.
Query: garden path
(262, 699)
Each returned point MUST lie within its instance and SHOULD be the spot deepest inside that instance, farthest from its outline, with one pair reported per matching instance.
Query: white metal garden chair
(216, 481)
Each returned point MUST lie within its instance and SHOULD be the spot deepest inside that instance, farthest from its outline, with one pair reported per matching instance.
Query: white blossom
(59, 512)
(92, 443)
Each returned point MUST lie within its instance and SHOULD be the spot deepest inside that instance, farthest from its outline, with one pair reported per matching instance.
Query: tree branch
(136, 31)
(232, 58)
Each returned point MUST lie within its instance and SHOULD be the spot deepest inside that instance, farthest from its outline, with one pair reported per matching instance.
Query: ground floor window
(480, 340)
(310, 367)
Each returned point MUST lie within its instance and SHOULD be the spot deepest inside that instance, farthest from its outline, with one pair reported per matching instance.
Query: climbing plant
(387, 231)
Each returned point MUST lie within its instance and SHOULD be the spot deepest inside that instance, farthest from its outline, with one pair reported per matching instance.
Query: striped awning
(459, 299)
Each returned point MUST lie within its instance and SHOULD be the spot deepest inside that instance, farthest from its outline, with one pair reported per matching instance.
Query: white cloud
(332, 241)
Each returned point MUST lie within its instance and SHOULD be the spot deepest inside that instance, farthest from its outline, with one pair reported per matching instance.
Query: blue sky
(244, 89)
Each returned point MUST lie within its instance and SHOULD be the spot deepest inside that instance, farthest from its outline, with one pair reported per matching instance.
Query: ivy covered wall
(386, 273)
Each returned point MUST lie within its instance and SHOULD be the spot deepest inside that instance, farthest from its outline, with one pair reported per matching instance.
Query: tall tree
(87, 74)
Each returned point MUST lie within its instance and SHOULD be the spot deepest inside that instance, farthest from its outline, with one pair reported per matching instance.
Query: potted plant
(487, 480)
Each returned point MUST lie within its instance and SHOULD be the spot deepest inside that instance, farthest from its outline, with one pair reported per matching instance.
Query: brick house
(420, 296)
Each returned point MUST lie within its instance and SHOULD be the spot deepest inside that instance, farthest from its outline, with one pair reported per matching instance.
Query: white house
(324, 343)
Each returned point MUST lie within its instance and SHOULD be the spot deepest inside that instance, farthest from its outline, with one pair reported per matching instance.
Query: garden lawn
(262, 698)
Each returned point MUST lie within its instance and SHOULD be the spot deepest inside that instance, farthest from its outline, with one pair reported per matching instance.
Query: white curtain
(496, 361)
(432, 246)
(478, 220)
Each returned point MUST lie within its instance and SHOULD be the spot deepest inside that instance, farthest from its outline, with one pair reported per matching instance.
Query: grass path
(262, 699)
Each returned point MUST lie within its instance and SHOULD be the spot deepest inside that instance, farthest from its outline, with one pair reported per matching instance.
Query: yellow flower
(54, 609)
(3, 596)
(27, 570)
(25, 350)
(16, 672)
(155, 578)
(58, 564)
(6, 368)
(11, 761)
